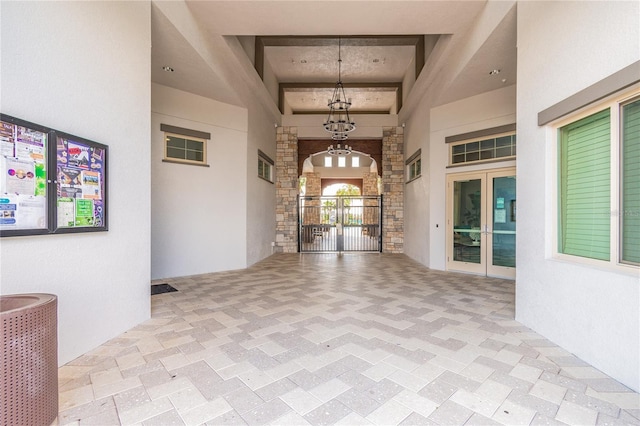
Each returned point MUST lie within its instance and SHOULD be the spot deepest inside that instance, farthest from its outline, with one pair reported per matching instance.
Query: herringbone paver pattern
(354, 340)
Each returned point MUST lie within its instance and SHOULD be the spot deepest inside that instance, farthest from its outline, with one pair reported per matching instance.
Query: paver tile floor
(321, 339)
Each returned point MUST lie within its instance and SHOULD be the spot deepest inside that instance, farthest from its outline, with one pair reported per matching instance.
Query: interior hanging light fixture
(338, 123)
(339, 149)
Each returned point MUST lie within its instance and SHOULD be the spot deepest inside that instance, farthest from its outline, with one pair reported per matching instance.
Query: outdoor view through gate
(339, 223)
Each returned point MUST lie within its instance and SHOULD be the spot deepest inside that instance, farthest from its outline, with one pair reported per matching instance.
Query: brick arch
(373, 147)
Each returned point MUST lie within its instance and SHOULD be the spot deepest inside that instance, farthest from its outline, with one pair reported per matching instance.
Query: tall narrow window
(265, 166)
(585, 187)
(414, 166)
(630, 191)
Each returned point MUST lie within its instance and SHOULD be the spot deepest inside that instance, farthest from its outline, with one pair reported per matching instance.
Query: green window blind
(631, 183)
(585, 188)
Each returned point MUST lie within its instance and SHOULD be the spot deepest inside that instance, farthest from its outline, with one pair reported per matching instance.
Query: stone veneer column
(370, 188)
(313, 189)
(393, 189)
(287, 189)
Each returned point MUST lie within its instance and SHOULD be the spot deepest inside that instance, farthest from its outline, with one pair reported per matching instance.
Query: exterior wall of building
(261, 195)
(84, 68)
(198, 218)
(592, 311)
(479, 112)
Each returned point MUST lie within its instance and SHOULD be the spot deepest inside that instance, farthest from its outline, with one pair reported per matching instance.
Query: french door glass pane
(466, 221)
(504, 221)
(630, 182)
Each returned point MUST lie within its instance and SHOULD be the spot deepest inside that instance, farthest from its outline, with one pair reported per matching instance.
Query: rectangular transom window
(501, 147)
(185, 149)
(185, 145)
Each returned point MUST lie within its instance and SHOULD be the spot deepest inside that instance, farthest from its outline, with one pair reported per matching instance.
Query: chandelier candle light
(338, 123)
(339, 150)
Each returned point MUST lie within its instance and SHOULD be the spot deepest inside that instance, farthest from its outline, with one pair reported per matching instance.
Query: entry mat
(161, 288)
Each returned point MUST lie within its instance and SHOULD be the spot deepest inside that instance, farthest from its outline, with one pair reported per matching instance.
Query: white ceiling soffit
(190, 72)
(355, 17)
(301, 64)
(499, 53)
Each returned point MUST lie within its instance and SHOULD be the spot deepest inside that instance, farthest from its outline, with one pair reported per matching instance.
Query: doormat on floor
(161, 288)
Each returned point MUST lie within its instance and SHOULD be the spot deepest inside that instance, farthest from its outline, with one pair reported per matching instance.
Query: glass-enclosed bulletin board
(50, 181)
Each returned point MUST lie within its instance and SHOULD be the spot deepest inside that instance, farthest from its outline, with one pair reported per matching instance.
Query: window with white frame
(414, 166)
(598, 182)
(501, 147)
(484, 145)
(265, 166)
(185, 145)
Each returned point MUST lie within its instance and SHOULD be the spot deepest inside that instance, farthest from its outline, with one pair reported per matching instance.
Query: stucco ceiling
(207, 72)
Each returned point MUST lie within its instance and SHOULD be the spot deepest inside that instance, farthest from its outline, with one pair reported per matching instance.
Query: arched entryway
(387, 179)
(339, 204)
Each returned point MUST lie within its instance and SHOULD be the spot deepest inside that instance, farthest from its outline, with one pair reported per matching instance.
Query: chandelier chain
(339, 123)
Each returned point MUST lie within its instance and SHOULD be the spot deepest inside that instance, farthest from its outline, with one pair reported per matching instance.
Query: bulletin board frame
(51, 182)
(86, 190)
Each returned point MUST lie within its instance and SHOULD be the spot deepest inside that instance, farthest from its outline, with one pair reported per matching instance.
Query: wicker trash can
(29, 361)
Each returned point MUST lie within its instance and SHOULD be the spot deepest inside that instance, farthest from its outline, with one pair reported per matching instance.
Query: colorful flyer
(68, 176)
(70, 192)
(78, 155)
(8, 208)
(32, 212)
(91, 187)
(97, 156)
(22, 212)
(7, 137)
(84, 212)
(66, 212)
(61, 148)
(30, 144)
(98, 213)
(18, 176)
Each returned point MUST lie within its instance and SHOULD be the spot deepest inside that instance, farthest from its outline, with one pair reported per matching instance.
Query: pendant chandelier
(339, 149)
(338, 123)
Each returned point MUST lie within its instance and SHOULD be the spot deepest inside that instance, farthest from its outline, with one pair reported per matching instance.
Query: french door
(481, 222)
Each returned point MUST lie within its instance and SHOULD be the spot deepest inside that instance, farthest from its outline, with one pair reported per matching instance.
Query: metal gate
(337, 224)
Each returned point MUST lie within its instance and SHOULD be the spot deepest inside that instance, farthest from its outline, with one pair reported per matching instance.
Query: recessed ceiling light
(494, 72)
(167, 68)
